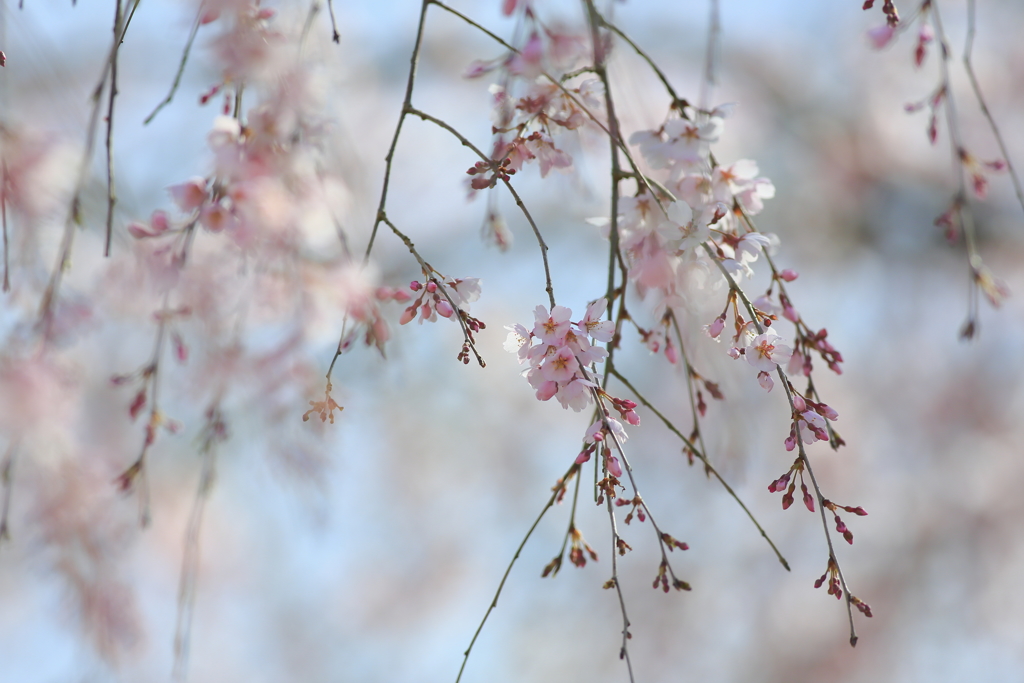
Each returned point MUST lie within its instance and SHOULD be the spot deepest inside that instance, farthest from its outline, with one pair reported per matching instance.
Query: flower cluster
(437, 298)
(559, 360)
(530, 107)
(700, 203)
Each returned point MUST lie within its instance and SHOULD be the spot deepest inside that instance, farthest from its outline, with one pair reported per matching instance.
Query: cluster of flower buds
(892, 15)
(638, 509)
(787, 482)
(558, 361)
(487, 175)
(598, 436)
(662, 579)
(438, 298)
(831, 575)
(579, 549)
(809, 424)
(840, 524)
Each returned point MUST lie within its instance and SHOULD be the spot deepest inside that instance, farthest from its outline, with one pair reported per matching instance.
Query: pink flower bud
(431, 286)
(614, 468)
(159, 221)
(138, 403)
(444, 308)
(583, 457)
(716, 327)
(180, 350)
(790, 443)
(425, 311)
(407, 315)
(670, 353)
(799, 403)
(632, 418)
(380, 331)
(765, 380)
(401, 296)
(790, 314)
(827, 412)
(415, 286)
(734, 353)
(808, 499)
(881, 36)
(789, 275)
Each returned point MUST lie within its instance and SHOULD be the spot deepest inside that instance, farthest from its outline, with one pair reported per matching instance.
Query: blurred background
(368, 550)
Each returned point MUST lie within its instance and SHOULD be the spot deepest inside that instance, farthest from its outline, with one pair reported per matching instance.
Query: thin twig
(676, 100)
(427, 272)
(406, 106)
(573, 470)
(3, 212)
(335, 36)
(565, 91)
(614, 581)
(181, 67)
(6, 479)
(962, 201)
(708, 467)
(214, 431)
(73, 218)
(137, 472)
(112, 95)
(714, 31)
(548, 286)
(969, 67)
(799, 440)
(600, 69)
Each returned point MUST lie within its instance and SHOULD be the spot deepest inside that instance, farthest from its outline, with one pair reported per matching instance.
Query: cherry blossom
(592, 323)
(766, 351)
(559, 359)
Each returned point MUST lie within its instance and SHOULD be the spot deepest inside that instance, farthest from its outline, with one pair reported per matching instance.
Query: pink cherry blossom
(594, 325)
(767, 351)
(560, 366)
(551, 329)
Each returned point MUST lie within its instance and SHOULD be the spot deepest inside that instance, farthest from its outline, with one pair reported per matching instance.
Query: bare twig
(73, 218)
(112, 95)
(961, 202)
(406, 106)
(548, 287)
(181, 68)
(698, 452)
(969, 67)
(335, 36)
(3, 213)
(572, 471)
(6, 480)
(614, 582)
(213, 432)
